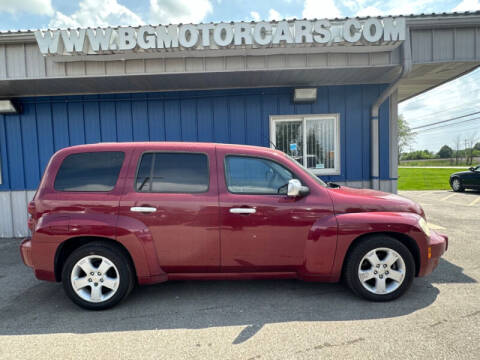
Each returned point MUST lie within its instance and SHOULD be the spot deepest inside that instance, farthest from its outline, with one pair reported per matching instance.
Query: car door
(262, 229)
(174, 194)
(471, 178)
(476, 177)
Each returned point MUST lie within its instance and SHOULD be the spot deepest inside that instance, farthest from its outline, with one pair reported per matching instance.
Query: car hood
(350, 200)
(461, 173)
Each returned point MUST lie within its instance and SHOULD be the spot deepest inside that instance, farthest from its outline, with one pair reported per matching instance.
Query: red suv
(108, 216)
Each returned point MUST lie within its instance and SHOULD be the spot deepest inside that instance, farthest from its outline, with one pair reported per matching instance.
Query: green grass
(424, 179)
(437, 162)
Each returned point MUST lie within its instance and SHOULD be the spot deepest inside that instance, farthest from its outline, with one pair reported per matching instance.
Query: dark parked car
(109, 216)
(469, 179)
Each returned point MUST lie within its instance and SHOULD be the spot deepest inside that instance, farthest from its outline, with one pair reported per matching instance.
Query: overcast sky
(457, 98)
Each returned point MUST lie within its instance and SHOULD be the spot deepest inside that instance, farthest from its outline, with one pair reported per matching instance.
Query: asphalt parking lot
(438, 318)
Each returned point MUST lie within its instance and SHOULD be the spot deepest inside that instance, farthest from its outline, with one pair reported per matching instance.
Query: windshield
(307, 171)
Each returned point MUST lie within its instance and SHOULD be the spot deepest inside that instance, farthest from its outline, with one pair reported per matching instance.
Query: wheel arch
(403, 238)
(453, 177)
(66, 248)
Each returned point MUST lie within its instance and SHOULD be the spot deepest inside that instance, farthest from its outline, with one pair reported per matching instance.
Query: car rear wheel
(457, 185)
(380, 268)
(97, 276)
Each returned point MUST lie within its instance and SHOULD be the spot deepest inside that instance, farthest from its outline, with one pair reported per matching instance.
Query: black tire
(115, 256)
(361, 250)
(455, 187)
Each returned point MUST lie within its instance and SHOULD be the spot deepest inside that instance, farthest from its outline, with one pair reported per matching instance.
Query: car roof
(190, 146)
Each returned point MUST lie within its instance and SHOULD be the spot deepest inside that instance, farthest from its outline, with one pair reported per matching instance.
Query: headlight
(424, 226)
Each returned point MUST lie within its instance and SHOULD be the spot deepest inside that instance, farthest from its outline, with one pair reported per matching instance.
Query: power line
(444, 121)
(447, 133)
(458, 126)
(446, 125)
(416, 117)
(448, 100)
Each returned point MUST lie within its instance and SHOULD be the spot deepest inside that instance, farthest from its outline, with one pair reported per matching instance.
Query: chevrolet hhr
(109, 216)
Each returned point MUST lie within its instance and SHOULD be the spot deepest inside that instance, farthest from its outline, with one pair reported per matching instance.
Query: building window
(312, 140)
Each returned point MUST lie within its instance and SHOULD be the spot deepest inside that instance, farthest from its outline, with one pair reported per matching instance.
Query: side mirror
(471, 168)
(296, 189)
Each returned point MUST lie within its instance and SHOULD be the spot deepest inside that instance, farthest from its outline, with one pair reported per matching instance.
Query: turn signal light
(429, 252)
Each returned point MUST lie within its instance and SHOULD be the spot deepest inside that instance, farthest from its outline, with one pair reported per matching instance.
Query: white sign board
(222, 35)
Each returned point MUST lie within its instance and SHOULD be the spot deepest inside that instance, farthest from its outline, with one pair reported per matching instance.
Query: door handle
(242, 211)
(143, 209)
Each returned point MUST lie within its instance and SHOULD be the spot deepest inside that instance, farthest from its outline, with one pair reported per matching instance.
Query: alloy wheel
(382, 271)
(95, 278)
(456, 184)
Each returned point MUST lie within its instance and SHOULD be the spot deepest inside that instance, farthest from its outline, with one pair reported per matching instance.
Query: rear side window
(173, 173)
(92, 171)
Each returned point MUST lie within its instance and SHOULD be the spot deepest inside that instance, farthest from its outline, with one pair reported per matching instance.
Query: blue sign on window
(293, 147)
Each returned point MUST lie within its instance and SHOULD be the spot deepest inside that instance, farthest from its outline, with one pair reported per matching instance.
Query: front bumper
(26, 251)
(436, 248)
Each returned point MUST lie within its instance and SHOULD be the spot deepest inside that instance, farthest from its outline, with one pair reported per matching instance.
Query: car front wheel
(457, 185)
(97, 276)
(380, 268)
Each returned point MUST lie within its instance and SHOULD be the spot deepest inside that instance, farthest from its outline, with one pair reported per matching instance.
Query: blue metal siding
(238, 116)
(91, 111)
(3, 155)
(353, 132)
(15, 154)
(336, 104)
(384, 133)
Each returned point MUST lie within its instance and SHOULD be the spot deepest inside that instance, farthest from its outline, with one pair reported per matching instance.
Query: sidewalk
(434, 167)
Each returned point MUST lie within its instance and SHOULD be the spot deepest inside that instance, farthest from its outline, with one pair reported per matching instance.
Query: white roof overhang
(442, 48)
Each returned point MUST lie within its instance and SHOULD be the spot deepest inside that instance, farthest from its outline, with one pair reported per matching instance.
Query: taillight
(32, 211)
(31, 208)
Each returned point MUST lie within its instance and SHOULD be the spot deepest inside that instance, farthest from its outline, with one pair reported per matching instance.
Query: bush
(418, 155)
(445, 152)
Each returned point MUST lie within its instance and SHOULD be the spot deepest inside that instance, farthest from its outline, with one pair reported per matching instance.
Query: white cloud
(370, 11)
(61, 20)
(274, 15)
(467, 5)
(351, 4)
(320, 9)
(94, 13)
(40, 7)
(255, 15)
(394, 7)
(179, 11)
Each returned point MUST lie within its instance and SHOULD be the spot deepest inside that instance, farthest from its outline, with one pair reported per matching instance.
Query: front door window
(250, 175)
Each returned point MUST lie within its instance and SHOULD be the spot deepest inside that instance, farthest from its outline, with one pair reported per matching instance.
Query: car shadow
(43, 308)
(466, 192)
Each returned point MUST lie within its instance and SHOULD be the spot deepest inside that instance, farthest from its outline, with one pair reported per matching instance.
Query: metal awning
(442, 47)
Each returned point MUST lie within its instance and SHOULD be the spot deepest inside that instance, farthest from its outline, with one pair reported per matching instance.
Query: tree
(417, 155)
(445, 152)
(456, 146)
(470, 142)
(477, 146)
(405, 135)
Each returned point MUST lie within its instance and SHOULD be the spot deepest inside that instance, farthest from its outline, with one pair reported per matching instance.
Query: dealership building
(324, 91)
